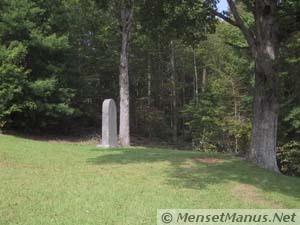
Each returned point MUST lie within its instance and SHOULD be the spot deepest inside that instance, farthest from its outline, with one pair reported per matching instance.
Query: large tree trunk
(265, 104)
(264, 44)
(265, 115)
(126, 20)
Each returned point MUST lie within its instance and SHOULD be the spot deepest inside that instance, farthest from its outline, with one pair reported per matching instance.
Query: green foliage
(222, 116)
(293, 118)
(44, 91)
(184, 20)
(151, 122)
(33, 84)
(59, 60)
(12, 80)
(289, 158)
(204, 122)
(289, 87)
(288, 18)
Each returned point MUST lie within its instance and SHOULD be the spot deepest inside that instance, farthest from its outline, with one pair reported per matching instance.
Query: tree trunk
(204, 79)
(149, 80)
(264, 42)
(265, 104)
(196, 78)
(126, 20)
(265, 116)
(236, 113)
(174, 100)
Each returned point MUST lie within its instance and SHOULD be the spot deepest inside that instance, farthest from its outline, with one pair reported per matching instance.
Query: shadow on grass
(190, 170)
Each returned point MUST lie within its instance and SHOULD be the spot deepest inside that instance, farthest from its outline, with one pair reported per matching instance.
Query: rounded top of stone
(109, 101)
(108, 104)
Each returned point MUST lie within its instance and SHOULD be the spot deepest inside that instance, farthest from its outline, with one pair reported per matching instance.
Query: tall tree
(196, 88)
(126, 23)
(263, 40)
(173, 93)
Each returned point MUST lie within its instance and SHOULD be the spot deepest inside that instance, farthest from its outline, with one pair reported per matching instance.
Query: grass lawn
(51, 183)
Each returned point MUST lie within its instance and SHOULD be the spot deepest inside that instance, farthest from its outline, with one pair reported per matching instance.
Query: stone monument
(109, 124)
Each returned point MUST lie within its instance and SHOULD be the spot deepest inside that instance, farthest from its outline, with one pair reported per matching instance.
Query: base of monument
(107, 146)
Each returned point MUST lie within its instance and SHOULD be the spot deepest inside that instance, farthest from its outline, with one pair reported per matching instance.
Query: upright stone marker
(109, 124)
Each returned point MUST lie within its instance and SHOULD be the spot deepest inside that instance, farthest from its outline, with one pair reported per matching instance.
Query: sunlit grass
(46, 183)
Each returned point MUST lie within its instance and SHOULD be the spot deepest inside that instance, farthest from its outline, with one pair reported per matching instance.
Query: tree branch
(127, 15)
(246, 32)
(223, 17)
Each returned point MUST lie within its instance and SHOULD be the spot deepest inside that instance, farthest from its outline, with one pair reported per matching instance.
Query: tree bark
(174, 99)
(149, 80)
(264, 44)
(204, 73)
(126, 22)
(264, 123)
(265, 103)
(196, 91)
(236, 112)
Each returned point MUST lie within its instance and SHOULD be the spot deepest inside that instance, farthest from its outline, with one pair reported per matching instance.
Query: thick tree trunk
(264, 44)
(126, 20)
(265, 115)
(265, 103)
(174, 99)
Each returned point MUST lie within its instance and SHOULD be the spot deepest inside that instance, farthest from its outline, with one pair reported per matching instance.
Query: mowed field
(45, 183)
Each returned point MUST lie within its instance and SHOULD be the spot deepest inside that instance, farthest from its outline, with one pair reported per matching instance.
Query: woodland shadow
(196, 170)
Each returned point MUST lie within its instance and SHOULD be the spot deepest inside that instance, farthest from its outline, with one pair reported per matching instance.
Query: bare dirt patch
(252, 195)
(209, 160)
(3, 164)
(6, 162)
(190, 163)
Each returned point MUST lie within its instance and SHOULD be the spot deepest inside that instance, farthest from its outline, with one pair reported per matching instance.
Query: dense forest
(195, 76)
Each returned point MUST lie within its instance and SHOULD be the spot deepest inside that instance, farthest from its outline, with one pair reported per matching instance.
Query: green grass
(47, 183)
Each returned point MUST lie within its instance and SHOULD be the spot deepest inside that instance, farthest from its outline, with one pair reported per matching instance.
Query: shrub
(289, 158)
